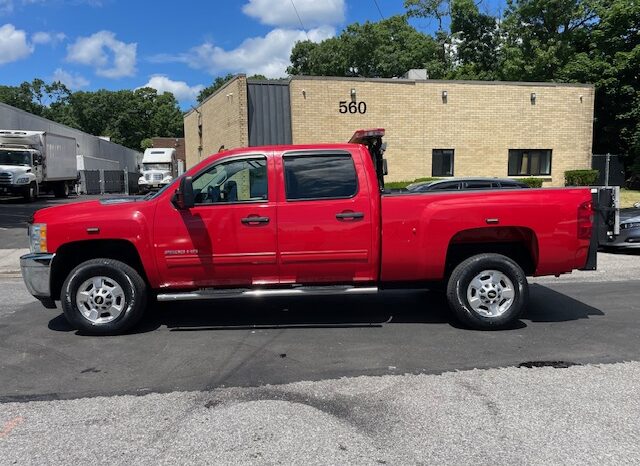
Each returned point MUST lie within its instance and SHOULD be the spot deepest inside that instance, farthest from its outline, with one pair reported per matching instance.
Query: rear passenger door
(324, 219)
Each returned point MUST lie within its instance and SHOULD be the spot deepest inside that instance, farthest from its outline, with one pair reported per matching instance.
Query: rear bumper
(36, 273)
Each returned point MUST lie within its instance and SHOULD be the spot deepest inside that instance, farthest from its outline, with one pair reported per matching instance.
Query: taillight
(585, 220)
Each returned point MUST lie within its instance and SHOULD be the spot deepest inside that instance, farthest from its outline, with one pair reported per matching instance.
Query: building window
(442, 162)
(529, 162)
(320, 176)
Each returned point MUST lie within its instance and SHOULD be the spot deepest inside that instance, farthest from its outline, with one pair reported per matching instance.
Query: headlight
(625, 226)
(22, 180)
(38, 237)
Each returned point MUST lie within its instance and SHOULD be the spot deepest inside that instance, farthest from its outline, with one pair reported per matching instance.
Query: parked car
(463, 184)
(303, 220)
(629, 236)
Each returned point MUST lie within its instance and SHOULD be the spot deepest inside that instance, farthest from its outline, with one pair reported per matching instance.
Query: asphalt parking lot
(369, 380)
(14, 213)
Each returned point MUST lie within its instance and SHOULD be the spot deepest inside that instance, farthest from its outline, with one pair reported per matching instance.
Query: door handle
(349, 215)
(255, 219)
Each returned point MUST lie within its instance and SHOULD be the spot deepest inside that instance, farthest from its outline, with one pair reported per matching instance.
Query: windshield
(15, 157)
(156, 166)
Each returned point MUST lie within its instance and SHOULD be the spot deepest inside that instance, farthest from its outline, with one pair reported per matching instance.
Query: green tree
(441, 11)
(475, 42)
(542, 37)
(383, 49)
(221, 81)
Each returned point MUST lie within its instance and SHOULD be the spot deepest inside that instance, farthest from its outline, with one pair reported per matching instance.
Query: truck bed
(420, 228)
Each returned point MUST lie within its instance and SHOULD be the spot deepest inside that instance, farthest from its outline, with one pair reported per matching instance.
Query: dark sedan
(629, 236)
(465, 184)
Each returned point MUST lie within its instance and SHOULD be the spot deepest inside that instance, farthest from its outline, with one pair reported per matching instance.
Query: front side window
(446, 187)
(242, 180)
(442, 162)
(320, 176)
(529, 162)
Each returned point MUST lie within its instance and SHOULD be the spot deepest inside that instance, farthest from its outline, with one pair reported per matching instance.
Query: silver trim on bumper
(36, 272)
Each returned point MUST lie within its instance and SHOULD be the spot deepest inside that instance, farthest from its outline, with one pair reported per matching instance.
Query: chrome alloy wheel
(100, 300)
(490, 293)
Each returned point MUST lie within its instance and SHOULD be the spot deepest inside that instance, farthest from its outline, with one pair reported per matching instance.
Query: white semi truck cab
(32, 162)
(159, 168)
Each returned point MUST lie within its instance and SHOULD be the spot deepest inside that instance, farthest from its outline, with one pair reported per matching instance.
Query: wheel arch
(70, 255)
(518, 243)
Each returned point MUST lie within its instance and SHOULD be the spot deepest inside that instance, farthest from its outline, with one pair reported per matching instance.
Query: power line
(378, 7)
(299, 19)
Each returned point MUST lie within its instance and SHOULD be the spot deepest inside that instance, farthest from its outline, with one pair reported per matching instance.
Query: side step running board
(207, 294)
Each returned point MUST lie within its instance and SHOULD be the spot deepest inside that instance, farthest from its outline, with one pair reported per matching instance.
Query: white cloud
(71, 80)
(180, 89)
(93, 51)
(48, 37)
(282, 13)
(268, 55)
(13, 44)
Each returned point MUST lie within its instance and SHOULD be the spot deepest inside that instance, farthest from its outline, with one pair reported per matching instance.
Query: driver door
(229, 237)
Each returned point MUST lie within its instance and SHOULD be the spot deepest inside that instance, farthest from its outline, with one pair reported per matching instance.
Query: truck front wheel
(61, 190)
(30, 192)
(487, 291)
(103, 297)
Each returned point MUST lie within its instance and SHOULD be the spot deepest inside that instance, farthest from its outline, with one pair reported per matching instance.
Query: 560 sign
(352, 107)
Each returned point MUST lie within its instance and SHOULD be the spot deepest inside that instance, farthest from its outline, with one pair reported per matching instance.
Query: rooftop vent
(416, 74)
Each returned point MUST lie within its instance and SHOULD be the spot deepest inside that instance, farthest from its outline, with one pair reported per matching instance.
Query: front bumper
(13, 189)
(36, 273)
(628, 238)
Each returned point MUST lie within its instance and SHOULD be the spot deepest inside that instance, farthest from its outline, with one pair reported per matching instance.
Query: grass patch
(628, 197)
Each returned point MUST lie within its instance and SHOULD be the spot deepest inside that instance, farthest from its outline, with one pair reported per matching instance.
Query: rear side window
(320, 176)
(479, 185)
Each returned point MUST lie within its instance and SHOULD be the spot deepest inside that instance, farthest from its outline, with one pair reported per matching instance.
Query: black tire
(130, 281)
(30, 192)
(461, 278)
(61, 190)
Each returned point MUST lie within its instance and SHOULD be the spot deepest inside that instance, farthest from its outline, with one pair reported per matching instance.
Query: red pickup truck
(303, 220)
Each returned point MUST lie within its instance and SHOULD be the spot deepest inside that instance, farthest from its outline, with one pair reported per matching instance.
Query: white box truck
(159, 168)
(34, 162)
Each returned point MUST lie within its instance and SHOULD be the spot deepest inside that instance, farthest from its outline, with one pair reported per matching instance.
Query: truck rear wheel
(31, 192)
(487, 291)
(61, 190)
(103, 297)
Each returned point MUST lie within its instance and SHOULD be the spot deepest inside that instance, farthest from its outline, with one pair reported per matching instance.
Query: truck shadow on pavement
(418, 307)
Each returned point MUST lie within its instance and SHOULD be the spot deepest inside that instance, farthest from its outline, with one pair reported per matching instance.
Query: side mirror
(184, 198)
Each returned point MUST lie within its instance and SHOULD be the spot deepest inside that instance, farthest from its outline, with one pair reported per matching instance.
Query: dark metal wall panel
(269, 113)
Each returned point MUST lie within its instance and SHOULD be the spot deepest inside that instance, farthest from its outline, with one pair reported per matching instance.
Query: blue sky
(175, 46)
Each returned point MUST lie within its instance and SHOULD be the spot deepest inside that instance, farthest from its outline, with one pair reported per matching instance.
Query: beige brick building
(433, 128)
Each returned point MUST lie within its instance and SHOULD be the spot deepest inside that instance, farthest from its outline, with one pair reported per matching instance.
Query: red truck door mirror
(184, 197)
